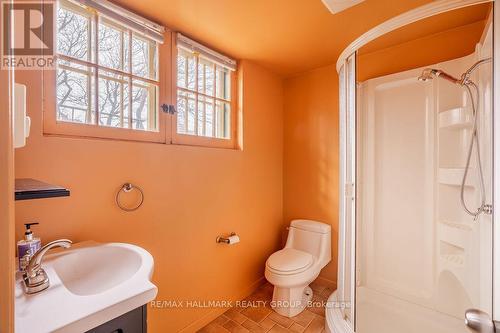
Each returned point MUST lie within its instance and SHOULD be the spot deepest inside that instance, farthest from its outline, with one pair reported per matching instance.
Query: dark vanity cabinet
(131, 322)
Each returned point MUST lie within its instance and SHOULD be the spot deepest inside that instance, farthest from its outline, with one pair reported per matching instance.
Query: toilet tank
(312, 237)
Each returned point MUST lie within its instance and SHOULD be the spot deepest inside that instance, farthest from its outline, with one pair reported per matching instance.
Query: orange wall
(311, 152)
(192, 195)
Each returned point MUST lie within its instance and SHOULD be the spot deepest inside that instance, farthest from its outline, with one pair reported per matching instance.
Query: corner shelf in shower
(455, 264)
(457, 118)
(451, 253)
(453, 176)
(454, 233)
(456, 260)
(456, 225)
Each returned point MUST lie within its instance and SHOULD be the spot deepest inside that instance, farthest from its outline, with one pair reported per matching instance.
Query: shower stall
(417, 202)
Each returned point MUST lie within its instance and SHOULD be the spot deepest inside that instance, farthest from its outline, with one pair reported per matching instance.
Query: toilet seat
(289, 261)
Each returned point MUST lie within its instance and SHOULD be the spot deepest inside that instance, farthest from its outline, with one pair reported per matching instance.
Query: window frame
(53, 126)
(198, 140)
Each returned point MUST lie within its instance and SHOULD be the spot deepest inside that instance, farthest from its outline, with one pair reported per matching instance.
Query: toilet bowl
(292, 269)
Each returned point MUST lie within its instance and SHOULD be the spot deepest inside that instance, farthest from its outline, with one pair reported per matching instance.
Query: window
(114, 83)
(121, 76)
(205, 98)
(107, 78)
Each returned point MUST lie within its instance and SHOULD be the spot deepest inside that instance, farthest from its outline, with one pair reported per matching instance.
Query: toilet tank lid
(309, 225)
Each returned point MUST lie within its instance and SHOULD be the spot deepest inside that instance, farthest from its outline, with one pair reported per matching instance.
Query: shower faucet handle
(488, 209)
(479, 321)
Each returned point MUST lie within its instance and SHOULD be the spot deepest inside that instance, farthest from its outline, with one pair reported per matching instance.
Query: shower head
(427, 74)
(430, 73)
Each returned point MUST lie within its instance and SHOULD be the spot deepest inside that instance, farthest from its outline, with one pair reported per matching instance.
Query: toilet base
(289, 302)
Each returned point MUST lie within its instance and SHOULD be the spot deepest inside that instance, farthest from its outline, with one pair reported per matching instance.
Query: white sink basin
(84, 272)
(90, 284)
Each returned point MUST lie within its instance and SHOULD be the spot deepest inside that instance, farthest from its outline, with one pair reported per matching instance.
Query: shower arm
(448, 77)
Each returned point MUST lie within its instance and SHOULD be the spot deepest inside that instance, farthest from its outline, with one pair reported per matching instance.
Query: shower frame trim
(496, 165)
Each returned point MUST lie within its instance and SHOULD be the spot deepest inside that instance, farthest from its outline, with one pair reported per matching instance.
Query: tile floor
(263, 319)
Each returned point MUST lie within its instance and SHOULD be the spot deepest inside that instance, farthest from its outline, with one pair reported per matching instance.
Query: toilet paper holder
(231, 239)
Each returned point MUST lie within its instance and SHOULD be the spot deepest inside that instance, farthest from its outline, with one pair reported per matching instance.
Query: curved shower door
(346, 290)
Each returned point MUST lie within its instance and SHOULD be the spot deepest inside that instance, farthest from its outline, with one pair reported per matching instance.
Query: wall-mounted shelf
(456, 118)
(27, 188)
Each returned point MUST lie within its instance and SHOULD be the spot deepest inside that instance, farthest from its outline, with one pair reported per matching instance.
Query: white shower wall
(396, 187)
(415, 242)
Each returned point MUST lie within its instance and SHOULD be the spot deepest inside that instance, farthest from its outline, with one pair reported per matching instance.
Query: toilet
(292, 269)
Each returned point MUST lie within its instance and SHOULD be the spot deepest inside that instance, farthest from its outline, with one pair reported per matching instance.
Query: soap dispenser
(27, 247)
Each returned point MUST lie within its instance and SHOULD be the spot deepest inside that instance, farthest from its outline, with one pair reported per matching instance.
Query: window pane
(191, 114)
(209, 118)
(126, 51)
(201, 116)
(186, 113)
(181, 71)
(144, 110)
(126, 105)
(181, 112)
(223, 77)
(210, 79)
(201, 77)
(73, 34)
(205, 116)
(191, 73)
(143, 57)
(74, 93)
(206, 77)
(110, 47)
(111, 99)
(222, 120)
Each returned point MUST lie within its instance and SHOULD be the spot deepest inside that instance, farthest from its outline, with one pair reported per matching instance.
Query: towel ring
(128, 187)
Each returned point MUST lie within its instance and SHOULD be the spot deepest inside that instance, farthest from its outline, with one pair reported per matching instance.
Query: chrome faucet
(35, 278)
